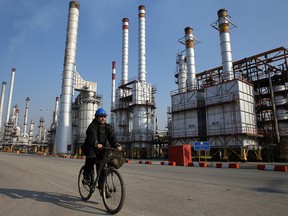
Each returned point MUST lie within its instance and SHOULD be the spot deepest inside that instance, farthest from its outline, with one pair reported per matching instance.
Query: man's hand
(99, 146)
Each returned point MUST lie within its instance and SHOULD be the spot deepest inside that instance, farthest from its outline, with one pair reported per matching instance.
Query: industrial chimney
(113, 93)
(10, 94)
(64, 142)
(141, 44)
(26, 117)
(125, 46)
(225, 44)
(2, 102)
(190, 58)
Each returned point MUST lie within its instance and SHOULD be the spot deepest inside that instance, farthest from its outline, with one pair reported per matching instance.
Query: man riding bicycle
(97, 135)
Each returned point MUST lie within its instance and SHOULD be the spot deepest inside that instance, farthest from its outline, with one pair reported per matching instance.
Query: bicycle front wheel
(85, 189)
(114, 191)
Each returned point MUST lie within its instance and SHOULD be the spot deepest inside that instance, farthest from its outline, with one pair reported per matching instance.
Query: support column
(244, 152)
(225, 154)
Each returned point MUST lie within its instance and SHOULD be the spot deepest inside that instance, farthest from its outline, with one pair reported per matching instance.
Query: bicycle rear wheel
(114, 193)
(85, 189)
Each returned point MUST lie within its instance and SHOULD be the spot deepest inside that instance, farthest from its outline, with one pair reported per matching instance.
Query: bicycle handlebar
(108, 148)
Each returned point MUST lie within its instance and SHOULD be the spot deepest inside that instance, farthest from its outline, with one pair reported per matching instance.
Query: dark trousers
(91, 159)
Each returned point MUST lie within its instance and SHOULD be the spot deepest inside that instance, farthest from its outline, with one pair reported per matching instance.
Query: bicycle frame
(103, 165)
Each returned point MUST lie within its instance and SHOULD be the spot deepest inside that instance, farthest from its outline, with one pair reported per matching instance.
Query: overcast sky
(33, 35)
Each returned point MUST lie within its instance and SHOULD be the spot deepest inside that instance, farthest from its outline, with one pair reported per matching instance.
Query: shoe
(86, 180)
(107, 194)
(86, 177)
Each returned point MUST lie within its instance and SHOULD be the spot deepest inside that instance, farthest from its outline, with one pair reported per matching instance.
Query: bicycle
(113, 190)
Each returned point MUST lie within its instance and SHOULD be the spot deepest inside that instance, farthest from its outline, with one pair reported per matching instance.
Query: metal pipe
(2, 102)
(55, 120)
(125, 46)
(10, 94)
(190, 59)
(31, 132)
(64, 129)
(182, 74)
(274, 108)
(26, 117)
(141, 44)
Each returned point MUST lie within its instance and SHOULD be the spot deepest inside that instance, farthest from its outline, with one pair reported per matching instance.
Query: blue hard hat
(100, 112)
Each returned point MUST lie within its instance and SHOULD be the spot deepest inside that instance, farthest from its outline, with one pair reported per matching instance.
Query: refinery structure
(240, 108)
(134, 102)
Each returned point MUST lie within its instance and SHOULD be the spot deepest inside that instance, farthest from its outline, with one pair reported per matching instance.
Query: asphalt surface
(40, 185)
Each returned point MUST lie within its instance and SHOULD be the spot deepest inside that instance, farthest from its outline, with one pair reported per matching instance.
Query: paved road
(34, 185)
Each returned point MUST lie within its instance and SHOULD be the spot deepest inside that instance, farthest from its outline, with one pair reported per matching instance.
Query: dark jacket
(97, 133)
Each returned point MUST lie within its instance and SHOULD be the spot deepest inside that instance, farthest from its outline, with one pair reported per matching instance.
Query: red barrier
(268, 167)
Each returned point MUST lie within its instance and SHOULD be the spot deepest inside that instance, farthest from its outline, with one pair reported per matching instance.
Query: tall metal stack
(9, 124)
(230, 111)
(10, 94)
(2, 103)
(143, 104)
(135, 102)
(188, 122)
(25, 135)
(113, 94)
(74, 117)
(225, 44)
(64, 130)
(123, 93)
(190, 58)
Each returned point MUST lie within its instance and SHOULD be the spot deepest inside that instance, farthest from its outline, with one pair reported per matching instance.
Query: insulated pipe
(141, 44)
(190, 58)
(182, 74)
(64, 129)
(41, 129)
(10, 95)
(125, 46)
(55, 120)
(26, 116)
(31, 132)
(225, 44)
(2, 102)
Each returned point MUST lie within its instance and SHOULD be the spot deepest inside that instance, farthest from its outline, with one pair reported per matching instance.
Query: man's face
(101, 119)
